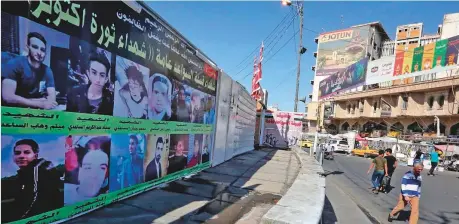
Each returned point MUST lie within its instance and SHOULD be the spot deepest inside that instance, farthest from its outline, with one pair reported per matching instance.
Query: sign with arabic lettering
(100, 101)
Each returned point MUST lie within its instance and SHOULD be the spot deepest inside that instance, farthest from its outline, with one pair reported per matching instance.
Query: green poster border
(33, 121)
(72, 211)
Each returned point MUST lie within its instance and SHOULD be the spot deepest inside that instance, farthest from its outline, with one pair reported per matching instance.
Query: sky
(228, 32)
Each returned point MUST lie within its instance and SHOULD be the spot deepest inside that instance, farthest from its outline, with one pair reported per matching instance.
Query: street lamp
(299, 6)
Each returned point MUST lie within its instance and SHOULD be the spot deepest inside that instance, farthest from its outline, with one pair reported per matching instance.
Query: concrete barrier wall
(304, 201)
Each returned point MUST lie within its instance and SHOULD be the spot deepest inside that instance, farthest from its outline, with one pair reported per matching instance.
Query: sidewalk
(239, 191)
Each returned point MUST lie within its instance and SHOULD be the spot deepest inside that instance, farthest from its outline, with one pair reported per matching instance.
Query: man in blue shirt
(26, 81)
(433, 162)
(410, 193)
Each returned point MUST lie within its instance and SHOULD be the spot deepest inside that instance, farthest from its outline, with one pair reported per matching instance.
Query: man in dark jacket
(96, 97)
(38, 182)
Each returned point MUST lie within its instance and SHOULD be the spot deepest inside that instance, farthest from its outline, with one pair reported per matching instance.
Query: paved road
(439, 201)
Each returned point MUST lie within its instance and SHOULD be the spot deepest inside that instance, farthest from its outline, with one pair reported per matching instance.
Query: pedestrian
(380, 165)
(433, 162)
(391, 165)
(418, 156)
(410, 193)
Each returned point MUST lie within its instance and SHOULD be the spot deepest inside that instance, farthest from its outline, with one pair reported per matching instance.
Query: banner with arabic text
(100, 101)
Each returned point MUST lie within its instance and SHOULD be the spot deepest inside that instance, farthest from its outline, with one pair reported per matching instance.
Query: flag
(257, 75)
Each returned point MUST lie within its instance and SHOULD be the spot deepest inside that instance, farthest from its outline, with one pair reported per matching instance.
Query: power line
(256, 48)
(267, 60)
(268, 46)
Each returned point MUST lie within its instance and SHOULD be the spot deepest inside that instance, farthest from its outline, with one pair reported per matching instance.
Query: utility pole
(300, 52)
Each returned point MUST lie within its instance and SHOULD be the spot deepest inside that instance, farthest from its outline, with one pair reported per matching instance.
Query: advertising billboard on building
(282, 129)
(440, 53)
(452, 53)
(339, 49)
(427, 56)
(417, 59)
(350, 77)
(380, 70)
(398, 64)
(100, 102)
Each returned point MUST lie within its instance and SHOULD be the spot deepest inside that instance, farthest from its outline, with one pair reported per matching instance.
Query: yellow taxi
(306, 143)
(365, 152)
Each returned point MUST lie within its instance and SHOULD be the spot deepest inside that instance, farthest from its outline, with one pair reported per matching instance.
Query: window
(441, 101)
(375, 105)
(361, 105)
(404, 102)
(430, 102)
(353, 108)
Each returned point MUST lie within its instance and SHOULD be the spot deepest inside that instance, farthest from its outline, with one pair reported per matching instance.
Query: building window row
(440, 101)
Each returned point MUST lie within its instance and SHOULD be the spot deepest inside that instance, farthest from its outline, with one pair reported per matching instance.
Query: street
(439, 201)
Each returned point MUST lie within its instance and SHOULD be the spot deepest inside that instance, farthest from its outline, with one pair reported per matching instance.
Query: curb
(304, 201)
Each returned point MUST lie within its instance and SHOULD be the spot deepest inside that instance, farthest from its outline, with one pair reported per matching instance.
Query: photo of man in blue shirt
(26, 81)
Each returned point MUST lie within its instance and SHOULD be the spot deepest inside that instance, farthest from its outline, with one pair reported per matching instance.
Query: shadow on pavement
(326, 173)
(222, 194)
(328, 214)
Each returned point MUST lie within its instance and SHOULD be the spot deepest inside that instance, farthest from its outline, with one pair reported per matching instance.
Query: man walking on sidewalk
(410, 193)
(380, 165)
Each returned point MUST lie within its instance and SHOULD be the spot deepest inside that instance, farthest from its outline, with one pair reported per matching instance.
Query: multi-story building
(339, 49)
(427, 87)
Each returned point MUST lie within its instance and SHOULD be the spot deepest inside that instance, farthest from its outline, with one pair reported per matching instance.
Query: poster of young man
(194, 154)
(32, 175)
(89, 177)
(209, 109)
(32, 65)
(127, 156)
(178, 153)
(156, 157)
(206, 146)
(181, 103)
(94, 94)
(131, 95)
(159, 97)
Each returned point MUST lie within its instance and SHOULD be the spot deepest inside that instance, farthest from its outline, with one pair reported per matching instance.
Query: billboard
(440, 53)
(100, 102)
(337, 50)
(350, 77)
(282, 129)
(380, 70)
(452, 53)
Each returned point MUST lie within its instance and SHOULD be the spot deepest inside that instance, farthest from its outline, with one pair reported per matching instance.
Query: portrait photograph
(90, 79)
(195, 148)
(206, 148)
(127, 156)
(156, 156)
(131, 93)
(34, 65)
(178, 153)
(159, 97)
(86, 167)
(32, 174)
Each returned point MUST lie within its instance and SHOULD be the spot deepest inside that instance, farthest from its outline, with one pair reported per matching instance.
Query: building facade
(410, 81)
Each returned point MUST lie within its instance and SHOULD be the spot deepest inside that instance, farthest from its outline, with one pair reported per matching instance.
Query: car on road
(365, 152)
(306, 143)
(336, 145)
